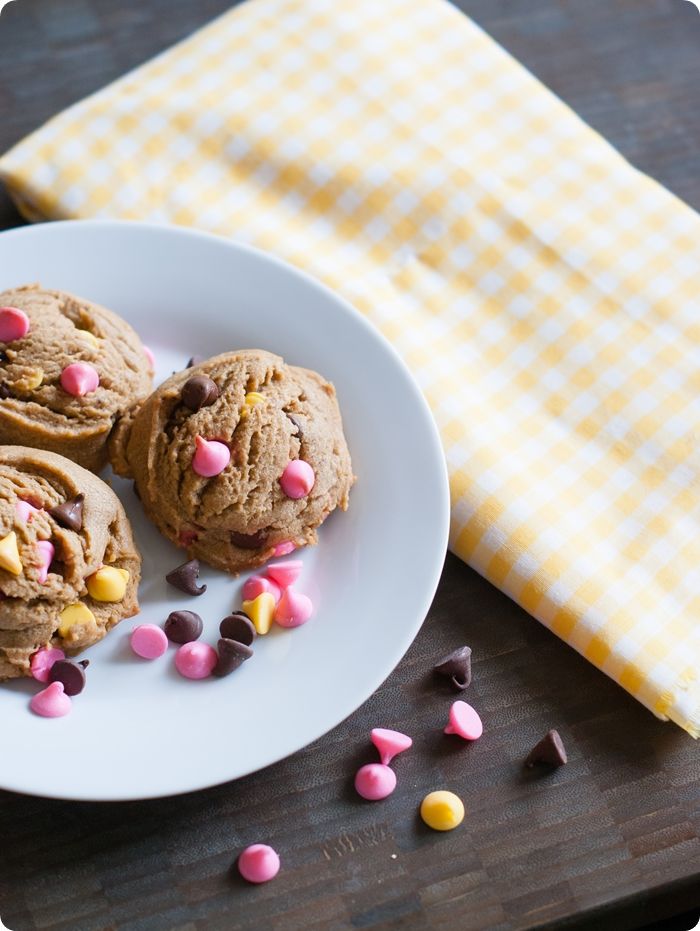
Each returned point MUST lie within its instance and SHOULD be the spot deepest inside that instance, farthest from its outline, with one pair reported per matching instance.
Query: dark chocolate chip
(300, 432)
(4, 391)
(550, 751)
(183, 626)
(239, 627)
(185, 578)
(199, 391)
(457, 666)
(194, 360)
(232, 654)
(84, 663)
(70, 513)
(72, 675)
(248, 541)
(4, 356)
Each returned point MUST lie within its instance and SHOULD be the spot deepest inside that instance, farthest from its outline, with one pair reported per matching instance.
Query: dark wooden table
(611, 841)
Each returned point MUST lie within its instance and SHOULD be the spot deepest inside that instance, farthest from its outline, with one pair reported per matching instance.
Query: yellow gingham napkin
(545, 294)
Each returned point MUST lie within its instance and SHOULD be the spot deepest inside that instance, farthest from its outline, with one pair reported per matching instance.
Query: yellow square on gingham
(544, 293)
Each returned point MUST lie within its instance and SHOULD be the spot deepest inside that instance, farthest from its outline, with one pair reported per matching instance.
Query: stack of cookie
(237, 460)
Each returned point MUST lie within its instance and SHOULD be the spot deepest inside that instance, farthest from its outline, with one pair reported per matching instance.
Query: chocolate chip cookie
(68, 371)
(237, 459)
(69, 570)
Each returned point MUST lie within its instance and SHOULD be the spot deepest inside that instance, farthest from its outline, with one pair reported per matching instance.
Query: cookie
(69, 570)
(210, 448)
(68, 371)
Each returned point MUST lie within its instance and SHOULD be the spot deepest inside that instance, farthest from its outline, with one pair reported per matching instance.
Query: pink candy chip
(375, 781)
(148, 641)
(464, 722)
(389, 743)
(46, 551)
(284, 549)
(79, 379)
(42, 661)
(259, 863)
(148, 353)
(24, 511)
(293, 609)
(210, 458)
(257, 584)
(196, 660)
(51, 702)
(14, 324)
(297, 479)
(284, 573)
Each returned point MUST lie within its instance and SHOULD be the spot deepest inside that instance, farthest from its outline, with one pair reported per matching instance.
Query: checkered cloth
(543, 292)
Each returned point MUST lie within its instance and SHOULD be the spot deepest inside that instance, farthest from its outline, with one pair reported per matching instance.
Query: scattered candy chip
(257, 584)
(196, 660)
(51, 702)
(285, 548)
(297, 479)
(464, 721)
(108, 583)
(185, 578)
(183, 626)
(442, 811)
(79, 379)
(148, 641)
(375, 781)
(45, 551)
(238, 627)
(261, 611)
(210, 458)
(231, 655)
(70, 513)
(9, 554)
(14, 324)
(198, 392)
(24, 511)
(284, 573)
(258, 863)
(42, 661)
(75, 615)
(550, 751)
(293, 609)
(72, 675)
(389, 743)
(457, 666)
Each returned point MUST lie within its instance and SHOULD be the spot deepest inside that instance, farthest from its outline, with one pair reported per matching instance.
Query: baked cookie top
(211, 448)
(67, 379)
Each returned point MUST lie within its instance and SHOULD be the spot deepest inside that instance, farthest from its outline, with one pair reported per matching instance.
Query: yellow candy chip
(30, 380)
(261, 611)
(108, 583)
(253, 398)
(9, 554)
(90, 337)
(75, 615)
(442, 811)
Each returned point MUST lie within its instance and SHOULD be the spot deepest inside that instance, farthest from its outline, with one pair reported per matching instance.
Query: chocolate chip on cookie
(198, 392)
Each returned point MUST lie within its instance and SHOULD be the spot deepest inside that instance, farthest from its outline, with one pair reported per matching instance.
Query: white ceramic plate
(140, 730)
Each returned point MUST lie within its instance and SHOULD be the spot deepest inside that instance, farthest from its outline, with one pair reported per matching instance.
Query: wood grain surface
(610, 841)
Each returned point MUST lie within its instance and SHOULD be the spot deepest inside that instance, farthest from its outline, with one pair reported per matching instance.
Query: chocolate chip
(199, 391)
(239, 627)
(185, 578)
(300, 432)
(183, 626)
(72, 675)
(70, 513)
(232, 654)
(550, 751)
(4, 391)
(84, 663)
(248, 541)
(4, 356)
(194, 360)
(457, 666)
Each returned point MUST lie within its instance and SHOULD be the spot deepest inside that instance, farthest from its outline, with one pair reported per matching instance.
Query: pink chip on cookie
(24, 511)
(210, 457)
(284, 549)
(46, 552)
(14, 324)
(297, 479)
(42, 661)
(79, 379)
